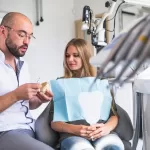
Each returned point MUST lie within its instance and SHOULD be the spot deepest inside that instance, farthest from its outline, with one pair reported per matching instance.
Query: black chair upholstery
(45, 134)
(124, 128)
(43, 131)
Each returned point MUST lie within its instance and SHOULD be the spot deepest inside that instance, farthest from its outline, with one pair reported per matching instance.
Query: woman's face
(73, 59)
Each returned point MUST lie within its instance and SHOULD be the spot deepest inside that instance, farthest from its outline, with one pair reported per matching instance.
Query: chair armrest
(43, 131)
(124, 128)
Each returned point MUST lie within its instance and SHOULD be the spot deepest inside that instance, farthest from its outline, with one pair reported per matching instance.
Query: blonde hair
(84, 51)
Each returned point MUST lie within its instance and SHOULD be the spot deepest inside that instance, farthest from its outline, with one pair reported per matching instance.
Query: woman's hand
(83, 131)
(78, 130)
(101, 130)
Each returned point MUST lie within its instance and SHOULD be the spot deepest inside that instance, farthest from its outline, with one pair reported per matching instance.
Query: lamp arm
(110, 12)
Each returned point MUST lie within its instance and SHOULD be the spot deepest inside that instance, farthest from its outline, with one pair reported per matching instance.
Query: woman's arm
(112, 123)
(63, 127)
(104, 129)
(79, 130)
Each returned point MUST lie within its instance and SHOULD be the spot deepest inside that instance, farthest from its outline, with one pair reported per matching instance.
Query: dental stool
(45, 134)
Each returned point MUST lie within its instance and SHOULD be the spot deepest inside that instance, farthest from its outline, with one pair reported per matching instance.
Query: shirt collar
(2, 57)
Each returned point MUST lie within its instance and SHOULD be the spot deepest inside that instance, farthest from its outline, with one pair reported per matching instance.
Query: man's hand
(40, 98)
(45, 97)
(101, 130)
(27, 91)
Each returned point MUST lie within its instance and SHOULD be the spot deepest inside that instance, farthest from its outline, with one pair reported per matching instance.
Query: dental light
(94, 26)
(132, 46)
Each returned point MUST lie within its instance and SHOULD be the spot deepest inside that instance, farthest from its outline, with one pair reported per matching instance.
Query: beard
(13, 48)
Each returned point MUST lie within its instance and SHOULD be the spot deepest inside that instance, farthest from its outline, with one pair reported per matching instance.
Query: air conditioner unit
(145, 3)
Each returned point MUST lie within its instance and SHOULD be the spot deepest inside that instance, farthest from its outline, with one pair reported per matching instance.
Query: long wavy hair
(84, 51)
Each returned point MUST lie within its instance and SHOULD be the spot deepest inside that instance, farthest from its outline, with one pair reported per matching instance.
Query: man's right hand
(27, 91)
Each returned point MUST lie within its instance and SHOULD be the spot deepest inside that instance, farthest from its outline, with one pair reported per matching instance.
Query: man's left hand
(40, 98)
(45, 97)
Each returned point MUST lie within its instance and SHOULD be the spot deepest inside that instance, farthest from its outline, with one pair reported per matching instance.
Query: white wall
(45, 54)
(98, 7)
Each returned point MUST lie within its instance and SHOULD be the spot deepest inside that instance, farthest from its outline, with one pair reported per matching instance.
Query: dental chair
(45, 134)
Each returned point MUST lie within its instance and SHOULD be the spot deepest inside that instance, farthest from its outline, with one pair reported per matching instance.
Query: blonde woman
(79, 135)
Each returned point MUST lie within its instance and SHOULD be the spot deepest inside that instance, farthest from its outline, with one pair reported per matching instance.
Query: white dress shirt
(16, 116)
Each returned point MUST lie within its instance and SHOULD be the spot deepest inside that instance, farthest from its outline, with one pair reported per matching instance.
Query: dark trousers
(21, 140)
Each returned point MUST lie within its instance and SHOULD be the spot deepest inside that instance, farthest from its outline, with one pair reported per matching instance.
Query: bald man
(17, 94)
